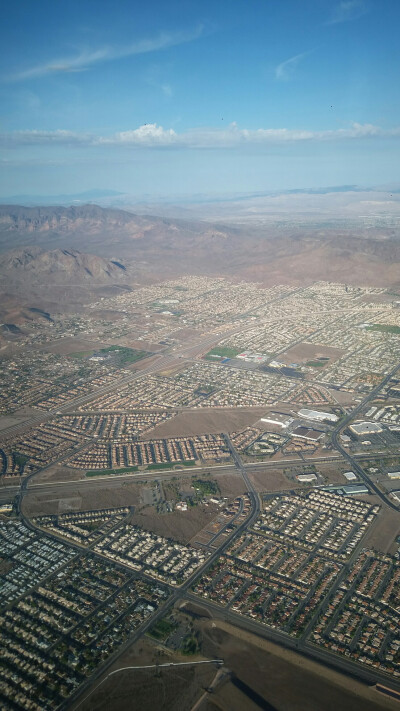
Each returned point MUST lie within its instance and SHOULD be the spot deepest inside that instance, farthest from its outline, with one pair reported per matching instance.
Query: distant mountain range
(116, 198)
(62, 199)
(57, 257)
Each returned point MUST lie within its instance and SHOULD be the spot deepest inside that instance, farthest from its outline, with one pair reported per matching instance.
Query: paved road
(180, 592)
(165, 359)
(350, 458)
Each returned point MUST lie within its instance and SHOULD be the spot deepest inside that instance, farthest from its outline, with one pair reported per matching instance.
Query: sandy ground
(127, 494)
(343, 397)
(207, 421)
(333, 472)
(143, 363)
(285, 679)
(309, 351)
(384, 530)
(272, 480)
(230, 485)
(65, 346)
(180, 525)
(142, 345)
(168, 690)
(185, 334)
(9, 420)
(58, 472)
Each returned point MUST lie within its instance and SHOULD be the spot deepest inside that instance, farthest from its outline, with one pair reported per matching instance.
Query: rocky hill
(152, 248)
(33, 264)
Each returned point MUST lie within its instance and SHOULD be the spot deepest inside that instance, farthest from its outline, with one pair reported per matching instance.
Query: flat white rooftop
(362, 428)
(317, 415)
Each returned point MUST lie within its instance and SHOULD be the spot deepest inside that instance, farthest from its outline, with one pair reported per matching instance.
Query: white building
(277, 418)
(316, 415)
(364, 428)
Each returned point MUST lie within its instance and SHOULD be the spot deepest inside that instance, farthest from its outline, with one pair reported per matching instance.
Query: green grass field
(384, 328)
(170, 465)
(222, 352)
(105, 472)
(122, 355)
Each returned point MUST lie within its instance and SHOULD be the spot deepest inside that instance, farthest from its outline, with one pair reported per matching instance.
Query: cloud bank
(155, 136)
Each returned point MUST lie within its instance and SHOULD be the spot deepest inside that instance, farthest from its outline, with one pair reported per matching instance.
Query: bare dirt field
(333, 473)
(230, 485)
(9, 420)
(342, 397)
(180, 525)
(83, 499)
(143, 363)
(308, 351)
(384, 530)
(185, 334)
(59, 472)
(65, 346)
(281, 679)
(166, 690)
(284, 679)
(142, 345)
(208, 421)
(269, 479)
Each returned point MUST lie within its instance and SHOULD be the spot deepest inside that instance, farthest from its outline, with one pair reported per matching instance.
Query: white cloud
(147, 135)
(84, 60)
(286, 69)
(348, 10)
(155, 136)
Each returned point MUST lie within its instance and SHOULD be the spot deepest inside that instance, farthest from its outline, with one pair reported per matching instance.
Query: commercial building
(308, 433)
(350, 476)
(355, 489)
(364, 428)
(277, 418)
(306, 477)
(316, 415)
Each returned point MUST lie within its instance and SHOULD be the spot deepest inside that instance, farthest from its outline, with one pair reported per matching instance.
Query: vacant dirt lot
(284, 679)
(142, 345)
(308, 351)
(180, 525)
(59, 473)
(271, 480)
(168, 690)
(185, 334)
(65, 346)
(9, 420)
(230, 485)
(384, 531)
(85, 499)
(207, 421)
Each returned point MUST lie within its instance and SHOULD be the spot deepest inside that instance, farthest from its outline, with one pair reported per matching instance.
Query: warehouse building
(316, 415)
(365, 428)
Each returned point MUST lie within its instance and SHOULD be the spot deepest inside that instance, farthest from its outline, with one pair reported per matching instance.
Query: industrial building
(316, 415)
(350, 476)
(306, 477)
(364, 428)
(277, 418)
(355, 489)
(308, 433)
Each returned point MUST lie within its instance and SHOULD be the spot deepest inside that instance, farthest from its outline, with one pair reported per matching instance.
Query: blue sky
(198, 96)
